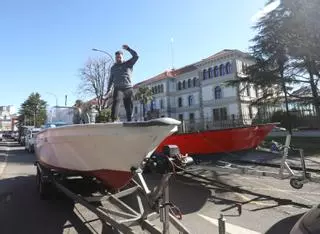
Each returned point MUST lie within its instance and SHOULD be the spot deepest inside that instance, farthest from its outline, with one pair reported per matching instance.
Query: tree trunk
(314, 89)
(315, 95)
(284, 88)
(144, 111)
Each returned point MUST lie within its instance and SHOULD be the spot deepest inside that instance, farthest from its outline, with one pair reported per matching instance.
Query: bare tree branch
(94, 79)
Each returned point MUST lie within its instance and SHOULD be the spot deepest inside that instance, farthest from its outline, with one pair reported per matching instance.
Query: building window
(221, 70)
(216, 71)
(161, 104)
(135, 109)
(205, 74)
(152, 107)
(161, 88)
(248, 90)
(194, 81)
(179, 85)
(250, 112)
(179, 102)
(190, 100)
(180, 117)
(210, 72)
(220, 114)
(184, 84)
(217, 92)
(191, 118)
(228, 68)
(189, 83)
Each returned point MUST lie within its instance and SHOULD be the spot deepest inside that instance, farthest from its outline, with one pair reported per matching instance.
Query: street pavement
(268, 205)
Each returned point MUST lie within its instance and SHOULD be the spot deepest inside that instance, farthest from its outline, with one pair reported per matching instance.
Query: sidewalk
(305, 133)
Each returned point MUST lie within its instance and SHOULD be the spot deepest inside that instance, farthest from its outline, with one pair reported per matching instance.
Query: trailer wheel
(296, 183)
(42, 186)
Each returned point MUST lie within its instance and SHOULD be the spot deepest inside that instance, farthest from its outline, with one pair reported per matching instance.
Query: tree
(286, 52)
(94, 80)
(144, 95)
(33, 111)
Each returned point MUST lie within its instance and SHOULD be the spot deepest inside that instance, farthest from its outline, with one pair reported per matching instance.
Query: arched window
(179, 102)
(184, 84)
(221, 70)
(217, 92)
(216, 71)
(161, 104)
(179, 85)
(194, 81)
(209, 72)
(189, 83)
(190, 100)
(152, 90)
(161, 88)
(205, 74)
(228, 68)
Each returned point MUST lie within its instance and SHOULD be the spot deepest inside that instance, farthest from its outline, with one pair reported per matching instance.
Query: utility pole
(66, 98)
(172, 54)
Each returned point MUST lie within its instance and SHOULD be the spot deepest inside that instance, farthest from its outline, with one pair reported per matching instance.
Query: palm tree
(144, 95)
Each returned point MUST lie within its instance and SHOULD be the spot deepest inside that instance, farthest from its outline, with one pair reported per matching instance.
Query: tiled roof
(188, 68)
(224, 53)
(167, 74)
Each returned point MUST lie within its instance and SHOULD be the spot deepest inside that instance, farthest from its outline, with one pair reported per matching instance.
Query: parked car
(30, 139)
(22, 134)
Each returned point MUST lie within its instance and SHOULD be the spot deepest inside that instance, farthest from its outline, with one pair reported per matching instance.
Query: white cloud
(265, 10)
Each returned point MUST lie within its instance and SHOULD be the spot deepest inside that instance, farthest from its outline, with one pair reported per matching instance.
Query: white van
(30, 139)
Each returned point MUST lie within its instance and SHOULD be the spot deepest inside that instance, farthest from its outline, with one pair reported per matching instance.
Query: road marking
(246, 199)
(289, 193)
(230, 228)
(282, 190)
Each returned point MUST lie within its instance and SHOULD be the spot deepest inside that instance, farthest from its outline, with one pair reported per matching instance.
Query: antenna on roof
(172, 55)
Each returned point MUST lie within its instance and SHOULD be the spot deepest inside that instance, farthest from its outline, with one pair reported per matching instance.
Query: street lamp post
(55, 97)
(105, 52)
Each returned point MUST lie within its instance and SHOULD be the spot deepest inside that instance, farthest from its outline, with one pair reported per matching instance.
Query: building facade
(198, 93)
(8, 118)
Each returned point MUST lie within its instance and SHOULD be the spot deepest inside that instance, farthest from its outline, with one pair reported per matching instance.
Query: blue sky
(45, 43)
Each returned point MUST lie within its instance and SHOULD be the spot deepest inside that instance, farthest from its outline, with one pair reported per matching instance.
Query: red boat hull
(218, 141)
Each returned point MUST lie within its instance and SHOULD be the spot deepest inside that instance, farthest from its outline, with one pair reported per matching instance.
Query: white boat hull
(103, 150)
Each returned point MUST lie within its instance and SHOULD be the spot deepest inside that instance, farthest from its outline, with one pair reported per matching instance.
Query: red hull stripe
(112, 179)
(218, 141)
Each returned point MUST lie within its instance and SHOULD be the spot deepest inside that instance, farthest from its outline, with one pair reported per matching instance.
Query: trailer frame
(297, 180)
(111, 209)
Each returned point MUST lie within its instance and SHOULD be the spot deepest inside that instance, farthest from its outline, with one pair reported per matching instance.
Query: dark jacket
(121, 73)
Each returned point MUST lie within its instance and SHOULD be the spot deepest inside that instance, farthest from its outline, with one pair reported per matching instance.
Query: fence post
(222, 225)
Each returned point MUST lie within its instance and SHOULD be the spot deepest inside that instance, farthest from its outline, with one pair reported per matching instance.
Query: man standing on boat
(120, 78)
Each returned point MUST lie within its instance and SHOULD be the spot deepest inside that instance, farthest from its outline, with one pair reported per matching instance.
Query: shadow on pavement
(284, 225)
(15, 153)
(188, 195)
(22, 211)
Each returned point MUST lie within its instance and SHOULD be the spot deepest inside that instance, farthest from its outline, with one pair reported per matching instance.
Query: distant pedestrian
(120, 79)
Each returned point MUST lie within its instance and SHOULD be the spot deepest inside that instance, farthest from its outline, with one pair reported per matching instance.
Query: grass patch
(310, 145)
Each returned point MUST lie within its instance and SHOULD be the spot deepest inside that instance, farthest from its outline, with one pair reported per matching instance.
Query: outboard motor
(168, 161)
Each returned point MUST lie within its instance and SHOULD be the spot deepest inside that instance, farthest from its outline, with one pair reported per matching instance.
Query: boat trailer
(112, 208)
(297, 179)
